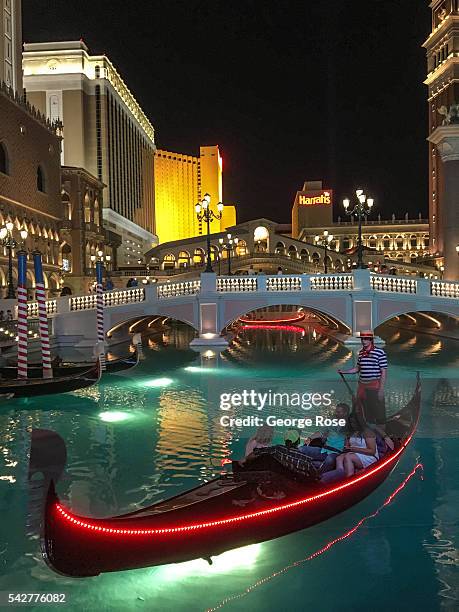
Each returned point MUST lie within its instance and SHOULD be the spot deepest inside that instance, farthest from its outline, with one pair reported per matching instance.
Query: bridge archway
(424, 315)
(325, 316)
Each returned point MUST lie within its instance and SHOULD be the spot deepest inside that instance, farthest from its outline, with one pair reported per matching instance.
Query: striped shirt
(371, 364)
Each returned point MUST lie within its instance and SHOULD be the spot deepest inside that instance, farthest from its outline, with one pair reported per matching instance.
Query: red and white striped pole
(42, 315)
(22, 314)
(100, 314)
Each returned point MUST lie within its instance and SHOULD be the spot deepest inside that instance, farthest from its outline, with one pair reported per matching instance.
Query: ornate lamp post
(204, 213)
(324, 241)
(361, 209)
(8, 241)
(228, 247)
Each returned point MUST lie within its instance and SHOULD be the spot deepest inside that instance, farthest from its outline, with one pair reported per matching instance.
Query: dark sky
(289, 89)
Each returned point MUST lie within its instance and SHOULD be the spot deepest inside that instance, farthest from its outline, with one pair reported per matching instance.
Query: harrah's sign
(312, 200)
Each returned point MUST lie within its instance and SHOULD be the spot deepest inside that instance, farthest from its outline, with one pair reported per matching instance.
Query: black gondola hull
(189, 526)
(78, 550)
(33, 387)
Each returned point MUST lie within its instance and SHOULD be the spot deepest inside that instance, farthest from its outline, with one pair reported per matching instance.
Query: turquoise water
(141, 437)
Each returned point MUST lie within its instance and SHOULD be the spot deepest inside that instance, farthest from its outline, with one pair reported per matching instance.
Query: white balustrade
(283, 282)
(170, 290)
(393, 284)
(125, 296)
(236, 284)
(111, 298)
(83, 302)
(444, 289)
(32, 308)
(332, 282)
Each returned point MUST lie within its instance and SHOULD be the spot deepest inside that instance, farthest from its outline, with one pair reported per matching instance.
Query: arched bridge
(358, 300)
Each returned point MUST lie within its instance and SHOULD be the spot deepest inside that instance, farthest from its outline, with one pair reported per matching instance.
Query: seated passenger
(326, 446)
(360, 449)
(287, 457)
(262, 438)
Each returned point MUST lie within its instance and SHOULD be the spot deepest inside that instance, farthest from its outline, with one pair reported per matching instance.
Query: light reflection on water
(159, 439)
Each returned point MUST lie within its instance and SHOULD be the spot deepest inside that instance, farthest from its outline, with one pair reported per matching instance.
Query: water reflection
(172, 439)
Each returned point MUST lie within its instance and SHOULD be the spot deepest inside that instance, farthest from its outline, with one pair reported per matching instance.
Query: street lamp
(361, 209)
(8, 241)
(204, 213)
(228, 247)
(324, 241)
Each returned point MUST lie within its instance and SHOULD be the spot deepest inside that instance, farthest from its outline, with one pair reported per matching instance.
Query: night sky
(290, 90)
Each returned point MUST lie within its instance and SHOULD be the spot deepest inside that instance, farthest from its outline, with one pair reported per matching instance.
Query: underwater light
(231, 560)
(114, 416)
(158, 382)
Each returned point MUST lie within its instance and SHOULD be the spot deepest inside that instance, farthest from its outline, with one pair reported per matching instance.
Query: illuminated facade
(30, 187)
(105, 131)
(11, 44)
(442, 80)
(180, 182)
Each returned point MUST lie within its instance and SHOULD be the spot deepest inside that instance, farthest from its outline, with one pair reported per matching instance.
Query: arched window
(41, 182)
(386, 243)
(372, 242)
(66, 206)
(399, 243)
(413, 241)
(4, 161)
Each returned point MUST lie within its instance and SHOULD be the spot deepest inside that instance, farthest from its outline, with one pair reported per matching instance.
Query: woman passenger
(360, 449)
(262, 438)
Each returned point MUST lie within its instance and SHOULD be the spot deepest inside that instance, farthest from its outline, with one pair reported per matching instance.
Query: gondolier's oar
(349, 388)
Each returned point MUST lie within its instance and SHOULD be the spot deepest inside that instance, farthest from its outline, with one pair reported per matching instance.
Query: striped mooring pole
(42, 315)
(22, 314)
(100, 314)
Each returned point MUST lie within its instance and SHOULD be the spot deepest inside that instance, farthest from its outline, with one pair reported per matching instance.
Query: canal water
(143, 436)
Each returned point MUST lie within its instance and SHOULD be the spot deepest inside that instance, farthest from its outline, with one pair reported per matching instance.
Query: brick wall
(29, 144)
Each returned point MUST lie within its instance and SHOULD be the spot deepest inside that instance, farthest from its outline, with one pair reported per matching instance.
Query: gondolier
(372, 369)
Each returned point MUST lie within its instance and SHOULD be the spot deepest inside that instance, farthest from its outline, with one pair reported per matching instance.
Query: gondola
(68, 369)
(31, 387)
(295, 318)
(204, 521)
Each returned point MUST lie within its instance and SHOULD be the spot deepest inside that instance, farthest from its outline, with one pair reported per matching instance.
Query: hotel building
(180, 182)
(442, 47)
(11, 44)
(105, 133)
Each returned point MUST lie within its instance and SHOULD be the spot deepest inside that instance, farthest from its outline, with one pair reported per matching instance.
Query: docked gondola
(286, 318)
(206, 521)
(63, 369)
(32, 387)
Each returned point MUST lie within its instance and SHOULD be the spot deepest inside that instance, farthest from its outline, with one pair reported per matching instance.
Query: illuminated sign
(312, 200)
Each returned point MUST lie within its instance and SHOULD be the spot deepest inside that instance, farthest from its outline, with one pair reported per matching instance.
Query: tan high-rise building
(180, 182)
(105, 132)
(11, 44)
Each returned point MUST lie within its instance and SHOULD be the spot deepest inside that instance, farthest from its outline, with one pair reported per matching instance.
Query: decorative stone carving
(451, 114)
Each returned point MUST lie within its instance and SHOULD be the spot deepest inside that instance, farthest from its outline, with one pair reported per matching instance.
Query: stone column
(446, 139)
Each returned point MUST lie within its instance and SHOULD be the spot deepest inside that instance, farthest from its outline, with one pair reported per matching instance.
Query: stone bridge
(356, 300)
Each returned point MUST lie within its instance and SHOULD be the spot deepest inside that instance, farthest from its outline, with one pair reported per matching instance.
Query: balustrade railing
(32, 308)
(169, 290)
(332, 282)
(111, 298)
(283, 283)
(393, 284)
(444, 289)
(238, 284)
